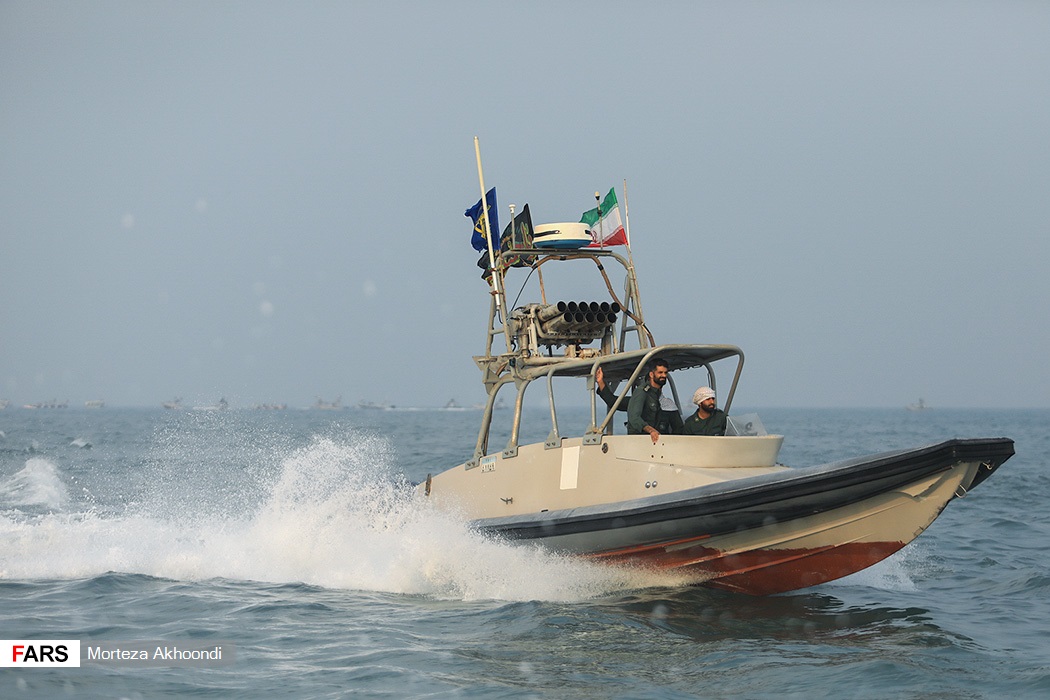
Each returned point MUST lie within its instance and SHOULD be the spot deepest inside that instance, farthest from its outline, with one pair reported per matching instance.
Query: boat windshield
(745, 424)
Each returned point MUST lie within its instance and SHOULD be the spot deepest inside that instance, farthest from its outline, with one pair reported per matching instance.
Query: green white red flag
(604, 223)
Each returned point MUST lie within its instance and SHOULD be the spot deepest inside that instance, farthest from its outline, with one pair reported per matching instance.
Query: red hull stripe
(763, 571)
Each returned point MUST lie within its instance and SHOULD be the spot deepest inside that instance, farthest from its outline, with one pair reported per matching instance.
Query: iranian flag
(604, 223)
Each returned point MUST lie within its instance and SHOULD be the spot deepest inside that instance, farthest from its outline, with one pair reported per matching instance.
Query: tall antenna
(488, 226)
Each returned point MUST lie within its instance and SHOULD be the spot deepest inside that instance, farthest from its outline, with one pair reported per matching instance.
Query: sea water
(295, 539)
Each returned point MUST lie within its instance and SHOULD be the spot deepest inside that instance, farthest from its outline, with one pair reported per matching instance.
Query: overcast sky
(264, 200)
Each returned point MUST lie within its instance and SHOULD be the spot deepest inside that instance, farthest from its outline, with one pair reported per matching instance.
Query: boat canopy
(548, 339)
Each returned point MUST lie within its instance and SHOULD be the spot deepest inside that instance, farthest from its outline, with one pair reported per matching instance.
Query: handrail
(705, 355)
(523, 368)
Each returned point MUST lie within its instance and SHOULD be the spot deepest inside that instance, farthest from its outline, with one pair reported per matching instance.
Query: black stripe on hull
(756, 501)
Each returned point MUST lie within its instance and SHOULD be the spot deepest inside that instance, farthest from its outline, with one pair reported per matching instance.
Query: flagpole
(630, 255)
(626, 218)
(601, 221)
(488, 226)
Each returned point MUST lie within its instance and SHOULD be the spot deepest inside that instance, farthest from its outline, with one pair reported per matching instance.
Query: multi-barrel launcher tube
(563, 323)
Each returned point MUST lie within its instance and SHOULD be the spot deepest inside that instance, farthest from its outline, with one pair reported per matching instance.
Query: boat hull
(773, 532)
(806, 551)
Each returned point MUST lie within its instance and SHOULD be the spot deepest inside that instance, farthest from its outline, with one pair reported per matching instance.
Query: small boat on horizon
(374, 406)
(322, 405)
(53, 403)
(222, 405)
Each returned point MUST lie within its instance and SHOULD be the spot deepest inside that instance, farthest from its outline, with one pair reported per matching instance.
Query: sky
(264, 201)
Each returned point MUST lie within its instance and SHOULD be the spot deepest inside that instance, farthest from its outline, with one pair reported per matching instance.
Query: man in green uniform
(708, 419)
(607, 395)
(606, 392)
(644, 414)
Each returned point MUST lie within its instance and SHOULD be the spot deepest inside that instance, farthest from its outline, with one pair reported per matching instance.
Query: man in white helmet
(708, 418)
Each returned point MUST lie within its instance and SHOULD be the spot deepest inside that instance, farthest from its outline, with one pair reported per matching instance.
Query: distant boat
(270, 406)
(373, 406)
(173, 405)
(97, 403)
(322, 405)
(53, 403)
(221, 406)
(500, 405)
(920, 406)
(452, 406)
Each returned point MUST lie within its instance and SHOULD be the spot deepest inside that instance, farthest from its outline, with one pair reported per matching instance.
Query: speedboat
(721, 510)
(366, 405)
(322, 405)
(222, 405)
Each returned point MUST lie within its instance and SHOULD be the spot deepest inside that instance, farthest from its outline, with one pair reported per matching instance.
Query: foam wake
(335, 516)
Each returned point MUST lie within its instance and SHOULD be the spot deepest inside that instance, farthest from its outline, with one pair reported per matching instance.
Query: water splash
(37, 484)
(335, 517)
(895, 573)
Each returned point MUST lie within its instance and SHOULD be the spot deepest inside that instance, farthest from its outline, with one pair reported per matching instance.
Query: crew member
(708, 418)
(644, 414)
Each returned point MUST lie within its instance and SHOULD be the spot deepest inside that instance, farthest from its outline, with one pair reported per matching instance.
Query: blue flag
(479, 237)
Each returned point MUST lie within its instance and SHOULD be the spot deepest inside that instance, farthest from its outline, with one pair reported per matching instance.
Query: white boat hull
(758, 528)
